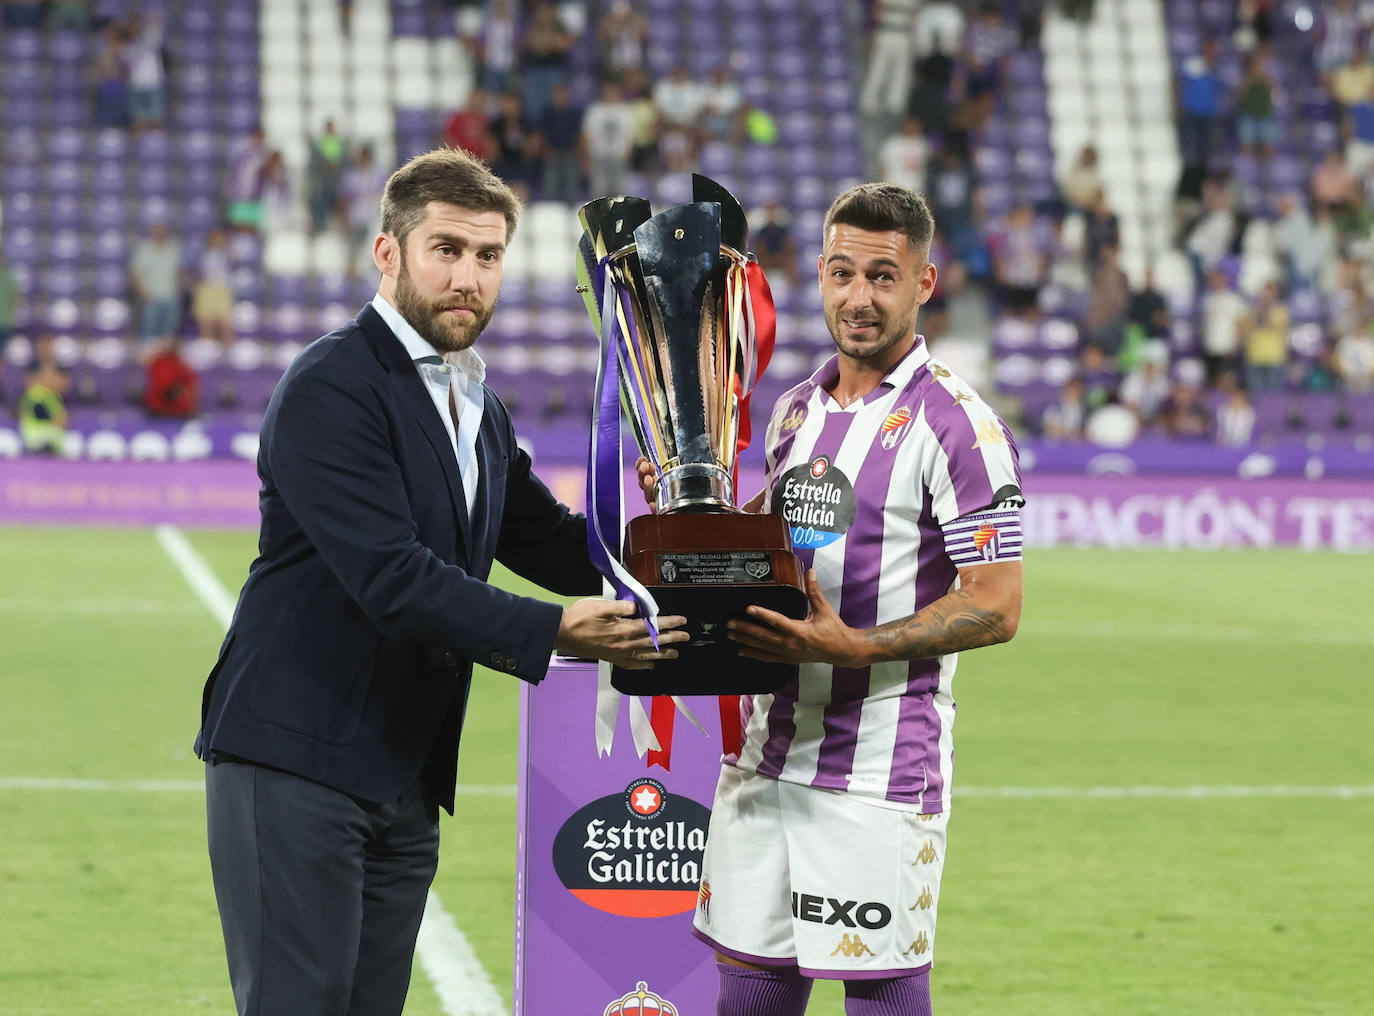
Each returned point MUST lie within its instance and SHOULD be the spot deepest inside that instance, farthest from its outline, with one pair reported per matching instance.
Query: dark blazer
(350, 654)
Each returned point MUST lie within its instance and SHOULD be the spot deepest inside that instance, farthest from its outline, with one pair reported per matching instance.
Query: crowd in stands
(933, 69)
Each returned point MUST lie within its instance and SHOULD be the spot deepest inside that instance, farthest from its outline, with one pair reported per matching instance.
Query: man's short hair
(883, 208)
(452, 176)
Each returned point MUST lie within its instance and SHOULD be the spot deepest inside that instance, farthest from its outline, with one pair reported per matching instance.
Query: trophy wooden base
(709, 567)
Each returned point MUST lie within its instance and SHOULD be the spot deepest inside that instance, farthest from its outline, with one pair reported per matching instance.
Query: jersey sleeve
(975, 467)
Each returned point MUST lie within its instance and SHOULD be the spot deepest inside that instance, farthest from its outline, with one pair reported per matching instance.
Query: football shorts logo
(894, 428)
(641, 1002)
(852, 946)
(985, 541)
(918, 947)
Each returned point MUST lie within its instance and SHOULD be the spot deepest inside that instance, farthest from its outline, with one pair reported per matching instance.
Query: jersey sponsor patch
(984, 537)
(817, 500)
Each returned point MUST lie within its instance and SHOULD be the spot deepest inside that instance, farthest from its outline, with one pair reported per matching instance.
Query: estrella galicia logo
(817, 500)
(636, 853)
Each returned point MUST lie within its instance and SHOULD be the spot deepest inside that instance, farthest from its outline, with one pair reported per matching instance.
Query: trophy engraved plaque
(676, 300)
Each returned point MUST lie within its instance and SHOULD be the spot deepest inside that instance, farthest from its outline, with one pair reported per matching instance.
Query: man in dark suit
(390, 481)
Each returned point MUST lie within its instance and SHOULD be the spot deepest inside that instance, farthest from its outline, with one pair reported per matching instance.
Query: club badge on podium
(686, 325)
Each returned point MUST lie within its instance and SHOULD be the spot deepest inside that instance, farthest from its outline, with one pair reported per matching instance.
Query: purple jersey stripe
(972, 489)
(782, 728)
(919, 743)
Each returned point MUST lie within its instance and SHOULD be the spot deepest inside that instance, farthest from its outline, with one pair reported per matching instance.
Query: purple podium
(608, 863)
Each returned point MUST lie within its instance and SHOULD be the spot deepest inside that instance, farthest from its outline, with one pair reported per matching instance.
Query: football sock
(897, 996)
(748, 992)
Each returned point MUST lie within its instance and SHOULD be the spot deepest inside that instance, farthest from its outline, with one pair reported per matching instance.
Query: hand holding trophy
(675, 300)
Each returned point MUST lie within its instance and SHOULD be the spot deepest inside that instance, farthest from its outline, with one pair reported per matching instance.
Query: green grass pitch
(1131, 670)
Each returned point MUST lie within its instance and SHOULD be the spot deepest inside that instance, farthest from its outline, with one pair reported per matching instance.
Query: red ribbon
(661, 712)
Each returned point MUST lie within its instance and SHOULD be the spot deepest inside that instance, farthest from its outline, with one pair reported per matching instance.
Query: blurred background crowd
(1154, 218)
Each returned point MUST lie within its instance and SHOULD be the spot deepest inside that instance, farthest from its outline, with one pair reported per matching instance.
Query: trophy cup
(674, 297)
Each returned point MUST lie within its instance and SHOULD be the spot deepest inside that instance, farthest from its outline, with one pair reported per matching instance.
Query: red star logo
(646, 800)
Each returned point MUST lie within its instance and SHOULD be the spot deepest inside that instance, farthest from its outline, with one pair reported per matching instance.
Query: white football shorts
(841, 886)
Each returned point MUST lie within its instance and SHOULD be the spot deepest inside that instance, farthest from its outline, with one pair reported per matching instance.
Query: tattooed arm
(983, 611)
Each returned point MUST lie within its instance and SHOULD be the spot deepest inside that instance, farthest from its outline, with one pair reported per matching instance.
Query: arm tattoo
(952, 623)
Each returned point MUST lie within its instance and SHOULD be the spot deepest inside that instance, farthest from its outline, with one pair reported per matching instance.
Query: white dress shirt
(459, 377)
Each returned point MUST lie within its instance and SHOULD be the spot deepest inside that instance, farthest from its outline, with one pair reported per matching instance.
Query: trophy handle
(734, 226)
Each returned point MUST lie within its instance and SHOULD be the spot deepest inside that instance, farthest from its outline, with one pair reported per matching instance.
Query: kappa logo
(894, 428)
(989, 432)
(918, 947)
(927, 855)
(852, 946)
(794, 419)
(925, 901)
(985, 541)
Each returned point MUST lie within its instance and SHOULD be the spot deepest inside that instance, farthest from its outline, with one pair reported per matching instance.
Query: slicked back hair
(883, 208)
(452, 176)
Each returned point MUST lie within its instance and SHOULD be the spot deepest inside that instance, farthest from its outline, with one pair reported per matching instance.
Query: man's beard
(442, 330)
(890, 334)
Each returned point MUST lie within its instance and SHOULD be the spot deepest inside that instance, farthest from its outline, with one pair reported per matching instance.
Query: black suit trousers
(320, 894)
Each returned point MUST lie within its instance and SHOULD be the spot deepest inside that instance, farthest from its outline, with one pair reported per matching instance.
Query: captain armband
(984, 537)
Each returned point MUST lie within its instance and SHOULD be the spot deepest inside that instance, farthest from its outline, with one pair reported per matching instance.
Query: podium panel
(608, 864)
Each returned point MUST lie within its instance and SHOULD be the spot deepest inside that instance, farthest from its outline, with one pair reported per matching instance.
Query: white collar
(465, 361)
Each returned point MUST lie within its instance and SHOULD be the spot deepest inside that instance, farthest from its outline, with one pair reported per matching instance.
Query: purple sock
(897, 996)
(748, 992)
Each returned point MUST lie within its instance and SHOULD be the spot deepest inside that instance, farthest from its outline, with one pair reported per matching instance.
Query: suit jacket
(350, 654)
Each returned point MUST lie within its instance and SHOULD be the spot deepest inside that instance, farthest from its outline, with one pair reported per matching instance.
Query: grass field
(1082, 877)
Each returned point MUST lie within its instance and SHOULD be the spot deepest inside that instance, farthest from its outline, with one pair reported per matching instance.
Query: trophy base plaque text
(709, 567)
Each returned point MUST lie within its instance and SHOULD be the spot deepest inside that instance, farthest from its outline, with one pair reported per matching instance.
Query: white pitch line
(463, 986)
(1194, 632)
(1143, 792)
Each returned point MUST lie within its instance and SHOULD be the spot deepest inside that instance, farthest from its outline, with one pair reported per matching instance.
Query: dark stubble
(443, 331)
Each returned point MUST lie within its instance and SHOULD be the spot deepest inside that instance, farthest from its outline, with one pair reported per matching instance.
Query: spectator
(1019, 262)
(637, 94)
(41, 411)
(1354, 356)
(1223, 309)
(1235, 422)
(275, 191)
(147, 76)
(1359, 150)
(1307, 248)
(1255, 109)
(324, 174)
(155, 274)
(939, 27)
(1145, 388)
(23, 14)
(558, 140)
(773, 243)
(888, 78)
(172, 390)
(1083, 182)
(1334, 187)
(721, 106)
(243, 182)
(497, 47)
(988, 43)
(678, 100)
(111, 86)
(360, 202)
(608, 140)
(1339, 35)
(931, 99)
(1186, 416)
(212, 299)
(1100, 379)
(620, 40)
(1264, 338)
(951, 200)
(1353, 81)
(9, 301)
(1064, 418)
(547, 48)
(1103, 229)
(1213, 234)
(513, 161)
(1149, 311)
(904, 155)
(469, 126)
(948, 283)
(1109, 298)
(1321, 373)
(73, 14)
(1199, 106)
